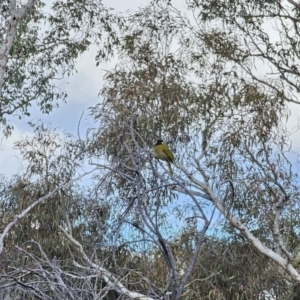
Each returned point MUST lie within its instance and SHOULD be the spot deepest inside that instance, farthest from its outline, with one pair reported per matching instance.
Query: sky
(83, 90)
(84, 87)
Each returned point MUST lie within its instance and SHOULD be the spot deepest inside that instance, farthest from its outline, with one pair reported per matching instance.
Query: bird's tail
(170, 168)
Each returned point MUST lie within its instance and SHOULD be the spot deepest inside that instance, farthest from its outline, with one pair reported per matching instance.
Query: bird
(162, 151)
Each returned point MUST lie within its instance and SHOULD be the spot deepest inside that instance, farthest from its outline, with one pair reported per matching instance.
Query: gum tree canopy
(215, 83)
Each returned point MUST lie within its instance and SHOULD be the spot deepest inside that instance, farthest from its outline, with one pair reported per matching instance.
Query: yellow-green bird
(163, 152)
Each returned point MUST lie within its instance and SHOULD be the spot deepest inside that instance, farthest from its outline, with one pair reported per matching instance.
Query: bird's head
(159, 142)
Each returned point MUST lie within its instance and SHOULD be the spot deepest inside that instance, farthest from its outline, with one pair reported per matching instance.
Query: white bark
(284, 263)
(16, 15)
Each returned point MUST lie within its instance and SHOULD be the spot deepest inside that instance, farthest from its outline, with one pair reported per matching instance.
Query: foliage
(41, 48)
(235, 192)
(268, 48)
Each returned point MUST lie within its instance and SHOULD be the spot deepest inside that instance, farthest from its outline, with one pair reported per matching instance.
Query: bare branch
(284, 263)
(110, 279)
(294, 3)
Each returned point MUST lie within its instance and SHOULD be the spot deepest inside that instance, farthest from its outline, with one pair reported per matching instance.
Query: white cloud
(10, 159)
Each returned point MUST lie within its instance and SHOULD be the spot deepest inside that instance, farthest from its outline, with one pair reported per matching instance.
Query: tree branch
(294, 3)
(284, 263)
(30, 207)
(15, 18)
(109, 278)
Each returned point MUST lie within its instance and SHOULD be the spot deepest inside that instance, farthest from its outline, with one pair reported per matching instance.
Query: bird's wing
(169, 153)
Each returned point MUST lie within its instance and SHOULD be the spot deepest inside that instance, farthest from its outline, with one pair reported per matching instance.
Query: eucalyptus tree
(193, 82)
(181, 78)
(39, 46)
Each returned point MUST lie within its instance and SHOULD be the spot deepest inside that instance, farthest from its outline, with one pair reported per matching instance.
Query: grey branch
(294, 3)
(109, 278)
(284, 263)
